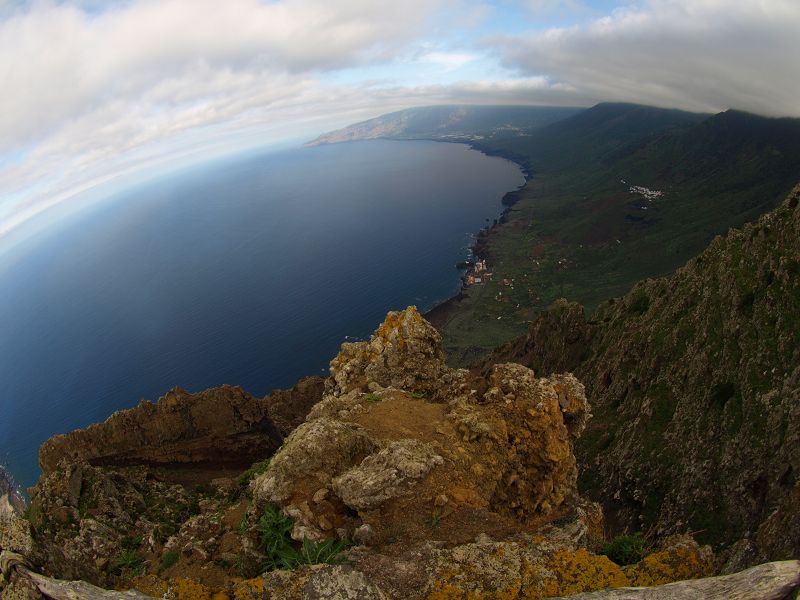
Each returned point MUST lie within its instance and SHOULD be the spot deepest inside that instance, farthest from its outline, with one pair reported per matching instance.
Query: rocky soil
(695, 387)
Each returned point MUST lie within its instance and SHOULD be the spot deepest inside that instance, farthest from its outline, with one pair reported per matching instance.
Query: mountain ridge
(695, 390)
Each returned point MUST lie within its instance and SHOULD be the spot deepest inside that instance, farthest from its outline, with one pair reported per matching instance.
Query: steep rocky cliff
(408, 479)
(695, 387)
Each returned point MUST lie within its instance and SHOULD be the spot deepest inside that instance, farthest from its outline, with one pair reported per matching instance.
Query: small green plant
(238, 565)
(130, 542)
(254, 471)
(372, 397)
(163, 532)
(243, 525)
(436, 518)
(328, 552)
(170, 558)
(625, 549)
(419, 395)
(274, 528)
(128, 564)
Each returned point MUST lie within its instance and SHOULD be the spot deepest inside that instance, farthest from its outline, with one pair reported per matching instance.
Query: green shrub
(371, 397)
(130, 542)
(625, 549)
(164, 531)
(128, 564)
(325, 552)
(274, 528)
(254, 471)
(639, 304)
(170, 558)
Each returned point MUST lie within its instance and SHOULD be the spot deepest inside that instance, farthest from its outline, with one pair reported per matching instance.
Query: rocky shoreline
(442, 311)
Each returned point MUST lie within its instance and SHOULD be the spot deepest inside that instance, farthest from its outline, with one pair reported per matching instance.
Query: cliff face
(695, 386)
(222, 427)
(433, 483)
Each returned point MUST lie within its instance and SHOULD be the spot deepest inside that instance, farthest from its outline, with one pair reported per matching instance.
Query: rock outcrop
(401, 438)
(217, 427)
(695, 387)
(434, 483)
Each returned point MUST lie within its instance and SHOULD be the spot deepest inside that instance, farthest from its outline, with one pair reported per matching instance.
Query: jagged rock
(499, 447)
(415, 461)
(317, 451)
(217, 426)
(405, 352)
(288, 408)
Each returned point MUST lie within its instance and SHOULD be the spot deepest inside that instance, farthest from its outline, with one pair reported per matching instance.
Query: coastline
(441, 312)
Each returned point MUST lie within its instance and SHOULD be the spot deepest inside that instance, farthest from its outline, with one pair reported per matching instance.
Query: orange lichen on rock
(184, 589)
(581, 571)
(682, 559)
(249, 589)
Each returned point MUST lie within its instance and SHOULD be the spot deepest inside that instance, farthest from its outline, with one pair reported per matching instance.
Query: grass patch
(170, 558)
(128, 565)
(372, 397)
(164, 531)
(625, 549)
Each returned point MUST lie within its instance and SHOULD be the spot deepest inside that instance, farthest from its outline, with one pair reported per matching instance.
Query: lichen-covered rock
(215, 426)
(405, 352)
(427, 444)
(681, 558)
(454, 485)
(389, 473)
(321, 582)
(552, 567)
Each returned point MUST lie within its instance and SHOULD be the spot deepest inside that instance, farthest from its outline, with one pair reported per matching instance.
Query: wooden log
(770, 581)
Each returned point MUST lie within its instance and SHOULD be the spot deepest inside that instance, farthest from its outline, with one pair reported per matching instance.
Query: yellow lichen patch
(249, 589)
(184, 589)
(467, 584)
(581, 571)
(678, 562)
(454, 592)
(150, 585)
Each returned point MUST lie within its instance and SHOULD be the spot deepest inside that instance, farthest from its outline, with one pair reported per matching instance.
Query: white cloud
(90, 86)
(447, 60)
(92, 89)
(703, 55)
(62, 62)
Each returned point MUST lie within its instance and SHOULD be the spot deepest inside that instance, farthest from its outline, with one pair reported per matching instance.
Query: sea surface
(250, 270)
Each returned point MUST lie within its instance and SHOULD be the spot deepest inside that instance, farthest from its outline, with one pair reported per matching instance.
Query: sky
(97, 91)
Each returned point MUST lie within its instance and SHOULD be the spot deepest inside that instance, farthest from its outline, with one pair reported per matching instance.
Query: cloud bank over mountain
(99, 89)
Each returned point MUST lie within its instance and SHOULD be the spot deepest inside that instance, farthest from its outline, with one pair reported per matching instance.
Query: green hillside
(577, 231)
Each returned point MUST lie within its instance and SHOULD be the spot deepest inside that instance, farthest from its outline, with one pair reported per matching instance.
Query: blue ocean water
(249, 270)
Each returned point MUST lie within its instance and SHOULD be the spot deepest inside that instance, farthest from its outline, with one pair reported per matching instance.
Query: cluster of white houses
(478, 274)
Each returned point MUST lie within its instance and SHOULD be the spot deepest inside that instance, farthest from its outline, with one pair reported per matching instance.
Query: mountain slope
(436, 122)
(613, 203)
(593, 135)
(694, 381)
